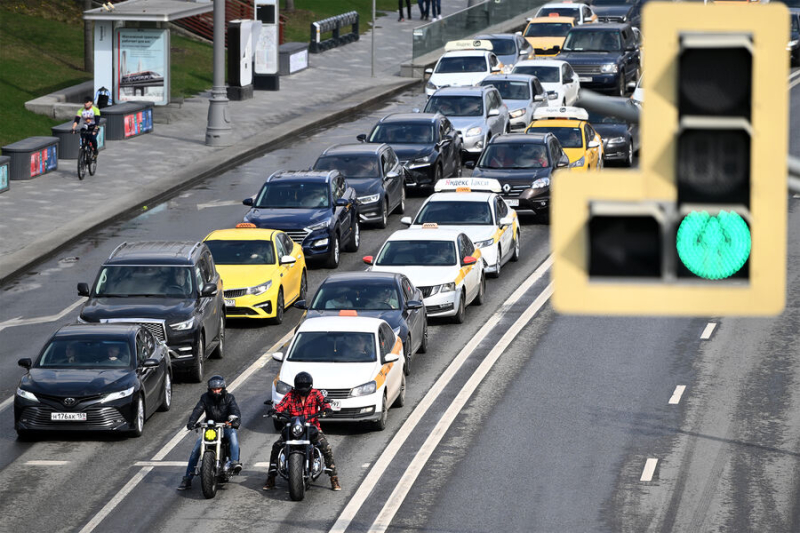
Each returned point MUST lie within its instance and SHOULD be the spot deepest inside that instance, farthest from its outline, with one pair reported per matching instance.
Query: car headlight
(259, 289)
(27, 395)
(517, 113)
(616, 140)
(318, 225)
(117, 395)
(182, 326)
(371, 199)
(421, 161)
(484, 244)
(792, 44)
(444, 287)
(431, 86)
(541, 183)
(474, 132)
(81, 320)
(578, 163)
(610, 68)
(363, 390)
(282, 388)
(396, 331)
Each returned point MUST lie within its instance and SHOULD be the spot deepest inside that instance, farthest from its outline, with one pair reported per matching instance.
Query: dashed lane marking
(46, 463)
(708, 331)
(649, 469)
(676, 396)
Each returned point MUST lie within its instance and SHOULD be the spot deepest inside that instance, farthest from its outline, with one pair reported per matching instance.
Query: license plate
(68, 417)
(336, 405)
(585, 78)
(513, 203)
(230, 303)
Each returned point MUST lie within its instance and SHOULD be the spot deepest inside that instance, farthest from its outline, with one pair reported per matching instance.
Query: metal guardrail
(333, 25)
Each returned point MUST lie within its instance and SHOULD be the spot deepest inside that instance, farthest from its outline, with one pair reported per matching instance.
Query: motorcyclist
(218, 405)
(303, 400)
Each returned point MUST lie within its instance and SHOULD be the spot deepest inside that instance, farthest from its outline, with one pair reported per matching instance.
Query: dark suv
(318, 210)
(170, 288)
(605, 57)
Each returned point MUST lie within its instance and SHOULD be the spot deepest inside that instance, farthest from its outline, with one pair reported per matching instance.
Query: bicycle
(86, 159)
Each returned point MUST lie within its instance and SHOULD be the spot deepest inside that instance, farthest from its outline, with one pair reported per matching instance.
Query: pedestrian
(436, 6)
(408, 8)
(423, 9)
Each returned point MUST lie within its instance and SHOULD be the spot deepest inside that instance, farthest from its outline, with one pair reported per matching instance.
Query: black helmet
(303, 382)
(216, 382)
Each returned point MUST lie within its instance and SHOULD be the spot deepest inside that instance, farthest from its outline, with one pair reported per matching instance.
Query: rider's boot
(335, 483)
(186, 483)
(270, 483)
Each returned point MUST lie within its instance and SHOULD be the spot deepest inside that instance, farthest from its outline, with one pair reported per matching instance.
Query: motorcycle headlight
(517, 113)
(210, 434)
(443, 288)
(616, 140)
(27, 395)
(363, 390)
(474, 132)
(431, 86)
(609, 68)
(282, 388)
(297, 430)
(318, 225)
(578, 163)
(259, 289)
(117, 395)
(371, 199)
(484, 244)
(182, 326)
(541, 183)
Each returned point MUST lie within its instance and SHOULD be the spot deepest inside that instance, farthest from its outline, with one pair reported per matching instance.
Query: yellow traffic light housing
(700, 227)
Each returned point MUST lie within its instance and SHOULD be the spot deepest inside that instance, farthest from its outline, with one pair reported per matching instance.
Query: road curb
(216, 162)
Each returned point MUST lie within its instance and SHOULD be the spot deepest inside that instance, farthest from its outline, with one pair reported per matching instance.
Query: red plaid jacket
(293, 403)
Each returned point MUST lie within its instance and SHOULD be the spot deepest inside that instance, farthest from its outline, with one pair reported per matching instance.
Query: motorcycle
(299, 462)
(215, 455)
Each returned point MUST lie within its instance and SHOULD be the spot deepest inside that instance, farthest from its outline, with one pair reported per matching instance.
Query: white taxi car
(442, 263)
(463, 64)
(356, 362)
(475, 205)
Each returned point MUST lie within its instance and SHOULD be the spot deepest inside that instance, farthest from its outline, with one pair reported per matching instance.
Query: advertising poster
(246, 53)
(3, 177)
(43, 161)
(141, 66)
(138, 123)
(101, 138)
(266, 50)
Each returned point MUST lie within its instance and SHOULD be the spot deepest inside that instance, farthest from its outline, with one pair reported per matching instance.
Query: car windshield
(333, 347)
(402, 133)
(612, 2)
(545, 74)
(352, 166)
(511, 90)
(361, 296)
(574, 12)
(455, 213)
(568, 137)
(503, 47)
(509, 155)
(455, 106)
(242, 252)
(293, 195)
(592, 41)
(596, 118)
(452, 65)
(133, 280)
(417, 253)
(548, 29)
(85, 353)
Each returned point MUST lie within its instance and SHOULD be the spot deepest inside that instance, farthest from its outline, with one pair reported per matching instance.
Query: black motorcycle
(299, 461)
(215, 456)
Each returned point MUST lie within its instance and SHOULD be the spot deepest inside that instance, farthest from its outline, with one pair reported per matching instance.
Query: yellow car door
(594, 148)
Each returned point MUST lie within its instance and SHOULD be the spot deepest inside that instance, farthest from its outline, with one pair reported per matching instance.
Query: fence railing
(334, 26)
(203, 25)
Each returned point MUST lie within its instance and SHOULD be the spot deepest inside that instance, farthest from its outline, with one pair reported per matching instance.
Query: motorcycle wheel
(208, 475)
(297, 485)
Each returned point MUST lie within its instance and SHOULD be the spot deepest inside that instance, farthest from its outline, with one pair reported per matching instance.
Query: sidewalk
(40, 215)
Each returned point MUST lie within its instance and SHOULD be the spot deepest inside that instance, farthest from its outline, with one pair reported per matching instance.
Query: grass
(298, 25)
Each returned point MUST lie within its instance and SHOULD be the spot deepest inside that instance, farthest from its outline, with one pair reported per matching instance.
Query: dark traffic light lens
(625, 246)
(715, 82)
(714, 166)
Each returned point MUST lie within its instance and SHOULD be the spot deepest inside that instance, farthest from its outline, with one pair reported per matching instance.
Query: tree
(88, 42)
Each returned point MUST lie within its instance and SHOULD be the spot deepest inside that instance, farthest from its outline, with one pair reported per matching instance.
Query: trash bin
(128, 120)
(5, 161)
(32, 157)
(293, 57)
(68, 143)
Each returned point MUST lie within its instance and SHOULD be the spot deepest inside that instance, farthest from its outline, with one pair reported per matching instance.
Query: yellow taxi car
(546, 35)
(582, 144)
(262, 270)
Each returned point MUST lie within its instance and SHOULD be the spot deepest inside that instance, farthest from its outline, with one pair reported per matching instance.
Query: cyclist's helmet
(216, 382)
(302, 383)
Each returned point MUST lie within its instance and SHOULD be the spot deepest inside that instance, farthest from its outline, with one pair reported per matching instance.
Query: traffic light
(700, 227)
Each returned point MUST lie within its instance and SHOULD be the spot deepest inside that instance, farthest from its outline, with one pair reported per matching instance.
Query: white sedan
(556, 77)
(463, 64)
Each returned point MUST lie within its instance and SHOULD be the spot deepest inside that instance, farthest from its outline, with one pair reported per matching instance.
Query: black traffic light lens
(714, 167)
(625, 246)
(715, 82)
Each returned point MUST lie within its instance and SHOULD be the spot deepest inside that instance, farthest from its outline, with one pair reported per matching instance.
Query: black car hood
(97, 309)
(589, 58)
(611, 11)
(77, 382)
(505, 174)
(287, 219)
(394, 317)
(364, 186)
(407, 152)
(611, 130)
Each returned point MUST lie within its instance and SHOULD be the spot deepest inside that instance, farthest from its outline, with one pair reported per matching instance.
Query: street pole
(218, 132)
(372, 72)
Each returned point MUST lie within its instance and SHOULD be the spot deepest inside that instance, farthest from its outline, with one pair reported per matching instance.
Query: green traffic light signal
(713, 247)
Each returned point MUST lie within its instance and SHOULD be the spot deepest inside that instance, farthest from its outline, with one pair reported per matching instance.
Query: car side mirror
(368, 259)
(593, 144)
(506, 221)
(278, 356)
(300, 304)
(361, 137)
(428, 71)
(469, 260)
(552, 96)
(209, 289)
(538, 98)
(25, 363)
(392, 174)
(248, 202)
(495, 69)
(391, 357)
(469, 164)
(494, 112)
(414, 304)
(631, 85)
(342, 202)
(288, 260)
(406, 221)
(150, 363)
(563, 162)
(83, 289)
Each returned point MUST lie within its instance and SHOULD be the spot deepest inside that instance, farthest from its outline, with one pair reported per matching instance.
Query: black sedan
(427, 144)
(94, 378)
(385, 295)
(620, 138)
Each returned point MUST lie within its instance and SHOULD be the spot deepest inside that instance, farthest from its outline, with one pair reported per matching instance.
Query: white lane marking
(796, 196)
(794, 84)
(182, 464)
(135, 480)
(400, 492)
(708, 331)
(46, 463)
(218, 203)
(649, 469)
(6, 403)
(794, 74)
(261, 464)
(389, 453)
(676, 396)
(365, 465)
(19, 321)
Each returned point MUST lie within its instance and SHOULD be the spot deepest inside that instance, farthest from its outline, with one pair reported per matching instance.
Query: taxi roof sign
(468, 44)
(245, 225)
(348, 312)
(467, 185)
(430, 225)
(563, 112)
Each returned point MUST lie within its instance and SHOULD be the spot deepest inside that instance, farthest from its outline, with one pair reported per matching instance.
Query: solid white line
(676, 396)
(19, 321)
(793, 84)
(261, 464)
(708, 331)
(649, 469)
(6, 403)
(161, 463)
(383, 462)
(46, 463)
(400, 492)
(116, 500)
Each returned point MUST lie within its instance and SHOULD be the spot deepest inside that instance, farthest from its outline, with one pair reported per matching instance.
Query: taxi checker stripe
(384, 371)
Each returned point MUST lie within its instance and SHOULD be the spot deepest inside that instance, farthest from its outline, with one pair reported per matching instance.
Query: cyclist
(87, 117)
